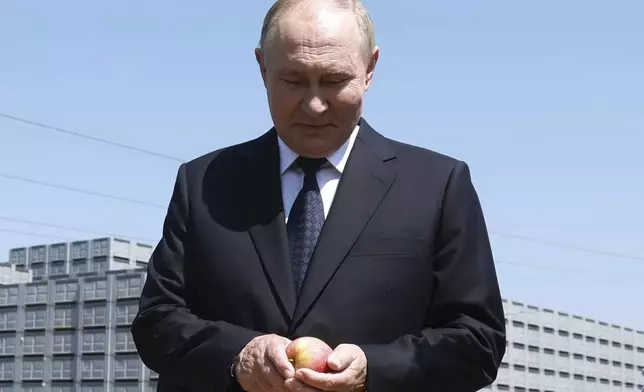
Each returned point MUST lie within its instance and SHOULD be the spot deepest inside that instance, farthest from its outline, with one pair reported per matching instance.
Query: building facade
(96, 255)
(9, 274)
(558, 352)
(68, 329)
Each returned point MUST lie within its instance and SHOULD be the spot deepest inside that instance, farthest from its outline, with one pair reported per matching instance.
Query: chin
(321, 149)
(310, 141)
(312, 147)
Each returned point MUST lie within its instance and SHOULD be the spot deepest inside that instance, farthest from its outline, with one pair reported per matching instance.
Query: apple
(310, 353)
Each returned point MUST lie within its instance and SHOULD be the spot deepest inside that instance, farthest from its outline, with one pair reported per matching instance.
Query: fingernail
(288, 374)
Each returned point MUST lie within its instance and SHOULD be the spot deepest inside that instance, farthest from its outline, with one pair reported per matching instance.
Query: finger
(276, 355)
(298, 386)
(323, 381)
(261, 387)
(271, 378)
(341, 358)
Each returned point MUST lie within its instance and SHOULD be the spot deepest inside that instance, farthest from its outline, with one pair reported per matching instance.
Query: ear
(371, 67)
(259, 56)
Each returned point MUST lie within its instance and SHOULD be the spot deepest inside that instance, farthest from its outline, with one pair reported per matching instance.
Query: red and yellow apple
(310, 353)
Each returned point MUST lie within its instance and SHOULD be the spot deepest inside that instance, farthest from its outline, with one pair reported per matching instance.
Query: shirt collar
(338, 159)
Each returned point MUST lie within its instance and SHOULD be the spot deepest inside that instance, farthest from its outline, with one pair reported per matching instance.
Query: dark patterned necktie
(305, 220)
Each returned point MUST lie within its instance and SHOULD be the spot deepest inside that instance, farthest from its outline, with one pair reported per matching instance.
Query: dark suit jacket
(403, 268)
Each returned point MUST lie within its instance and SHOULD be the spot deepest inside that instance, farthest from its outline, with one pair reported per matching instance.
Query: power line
(569, 247)
(89, 231)
(64, 238)
(92, 138)
(80, 190)
(576, 271)
(56, 226)
(32, 234)
(81, 230)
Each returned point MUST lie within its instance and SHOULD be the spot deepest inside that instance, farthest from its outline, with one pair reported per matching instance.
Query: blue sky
(544, 100)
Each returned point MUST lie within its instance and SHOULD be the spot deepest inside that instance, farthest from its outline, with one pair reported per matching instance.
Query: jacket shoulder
(228, 156)
(407, 155)
(423, 157)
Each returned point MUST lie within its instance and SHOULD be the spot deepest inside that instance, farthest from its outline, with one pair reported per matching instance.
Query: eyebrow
(291, 72)
(296, 73)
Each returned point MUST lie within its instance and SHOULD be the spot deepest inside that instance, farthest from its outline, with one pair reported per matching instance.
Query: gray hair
(365, 24)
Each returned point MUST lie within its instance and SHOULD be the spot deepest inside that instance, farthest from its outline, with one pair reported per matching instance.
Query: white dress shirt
(328, 176)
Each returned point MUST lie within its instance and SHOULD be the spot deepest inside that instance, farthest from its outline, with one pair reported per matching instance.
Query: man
(322, 227)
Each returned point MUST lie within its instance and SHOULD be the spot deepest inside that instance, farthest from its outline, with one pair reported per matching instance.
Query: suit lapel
(268, 231)
(364, 183)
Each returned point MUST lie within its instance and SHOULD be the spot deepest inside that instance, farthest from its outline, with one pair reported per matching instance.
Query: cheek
(349, 97)
(283, 102)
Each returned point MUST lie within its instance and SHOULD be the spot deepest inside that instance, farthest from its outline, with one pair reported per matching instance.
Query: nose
(314, 104)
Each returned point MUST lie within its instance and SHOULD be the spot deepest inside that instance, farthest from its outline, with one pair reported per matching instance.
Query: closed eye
(335, 81)
(336, 78)
(291, 81)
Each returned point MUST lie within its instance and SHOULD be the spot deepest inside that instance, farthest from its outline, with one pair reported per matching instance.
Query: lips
(315, 125)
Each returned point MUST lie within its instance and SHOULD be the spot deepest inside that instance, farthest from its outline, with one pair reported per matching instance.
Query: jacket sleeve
(188, 351)
(461, 348)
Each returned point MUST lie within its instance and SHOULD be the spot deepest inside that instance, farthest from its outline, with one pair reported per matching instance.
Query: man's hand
(262, 366)
(348, 365)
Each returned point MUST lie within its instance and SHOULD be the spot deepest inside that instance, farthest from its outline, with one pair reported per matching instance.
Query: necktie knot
(310, 166)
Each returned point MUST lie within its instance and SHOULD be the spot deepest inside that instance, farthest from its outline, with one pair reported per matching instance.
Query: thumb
(340, 359)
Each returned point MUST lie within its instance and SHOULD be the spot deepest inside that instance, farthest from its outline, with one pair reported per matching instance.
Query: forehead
(309, 38)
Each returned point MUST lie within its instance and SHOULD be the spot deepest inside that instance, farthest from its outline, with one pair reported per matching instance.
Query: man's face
(316, 73)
